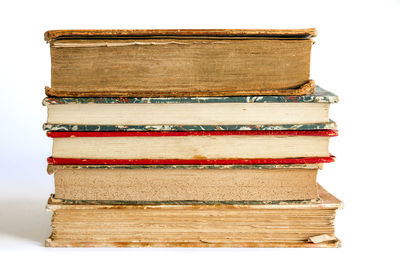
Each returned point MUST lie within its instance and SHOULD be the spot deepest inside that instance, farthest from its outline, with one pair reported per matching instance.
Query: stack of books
(188, 138)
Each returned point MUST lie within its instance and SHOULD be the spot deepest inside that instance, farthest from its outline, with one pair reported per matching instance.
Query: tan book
(192, 183)
(278, 224)
(157, 63)
(191, 145)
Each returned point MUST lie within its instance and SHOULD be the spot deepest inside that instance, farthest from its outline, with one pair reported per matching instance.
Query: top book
(176, 63)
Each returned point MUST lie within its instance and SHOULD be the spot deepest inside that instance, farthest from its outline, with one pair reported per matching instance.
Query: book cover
(111, 128)
(78, 161)
(320, 95)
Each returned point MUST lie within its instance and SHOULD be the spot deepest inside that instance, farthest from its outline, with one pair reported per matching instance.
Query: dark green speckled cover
(320, 96)
(110, 128)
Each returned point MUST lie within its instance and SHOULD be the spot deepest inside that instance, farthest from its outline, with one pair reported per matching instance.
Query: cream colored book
(308, 112)
(191, 145)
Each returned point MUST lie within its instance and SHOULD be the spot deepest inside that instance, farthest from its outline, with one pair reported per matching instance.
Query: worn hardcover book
(179, 224)
(187, 183)
(191, 145)
(309, 112)
(158, 63)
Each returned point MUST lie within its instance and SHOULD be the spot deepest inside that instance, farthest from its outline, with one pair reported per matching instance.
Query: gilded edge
(320, 96)
(59, 201)
(331, 125)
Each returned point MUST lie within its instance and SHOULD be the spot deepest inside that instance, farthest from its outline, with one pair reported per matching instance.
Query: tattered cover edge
(305, 89)
(273, 161)
(62, 134)
(184, 202)
(331, 125)
(51, 168)
(51, 243)
(53, 35)
(326, 201)
(319, 96)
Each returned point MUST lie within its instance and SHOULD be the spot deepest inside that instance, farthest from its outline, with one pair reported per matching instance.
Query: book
(191, 145)
(159, 63)
(188, 138)
(187, 183)
(309, 112)
(279, 224)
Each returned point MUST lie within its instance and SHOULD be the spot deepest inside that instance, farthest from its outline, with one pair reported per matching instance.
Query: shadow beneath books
(25, 220)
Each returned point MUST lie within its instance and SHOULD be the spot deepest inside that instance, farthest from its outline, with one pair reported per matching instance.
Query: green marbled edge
(266, 166)
(320, 96)
(183, 202)
(127, 128)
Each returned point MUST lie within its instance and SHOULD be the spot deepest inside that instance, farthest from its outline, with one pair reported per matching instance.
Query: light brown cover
(306, 89)
(148, 63)
(328, 201)
(52, 35)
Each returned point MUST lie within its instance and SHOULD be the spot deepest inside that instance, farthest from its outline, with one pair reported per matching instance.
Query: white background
(356, 55)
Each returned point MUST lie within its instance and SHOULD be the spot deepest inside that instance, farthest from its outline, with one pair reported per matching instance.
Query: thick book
(157, 63)
(179, 224)
(191, 146)
(309, 112)
(186, 183)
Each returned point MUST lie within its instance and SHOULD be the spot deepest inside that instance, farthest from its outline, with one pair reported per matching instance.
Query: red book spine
(74, 161)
